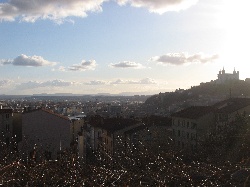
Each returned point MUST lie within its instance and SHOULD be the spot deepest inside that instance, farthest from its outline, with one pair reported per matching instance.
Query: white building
(223, 76)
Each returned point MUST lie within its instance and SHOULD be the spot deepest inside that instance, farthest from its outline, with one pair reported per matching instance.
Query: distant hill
(204, 94)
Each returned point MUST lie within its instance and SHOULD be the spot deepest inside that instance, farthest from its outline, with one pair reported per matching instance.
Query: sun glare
(234, 20)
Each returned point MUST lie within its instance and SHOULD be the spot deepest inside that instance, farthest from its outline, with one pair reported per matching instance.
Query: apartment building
(45, 134)
(194, 123)
(228, 110)
(190, 125)
(6, 126)
(106, 137)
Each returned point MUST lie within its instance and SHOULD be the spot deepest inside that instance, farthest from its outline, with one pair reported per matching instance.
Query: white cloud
(24, 60)
(56, 10)
(142, 81)
(184, 58)
(61, 10)
(85, 65)
(5, 82)
(160, 6)
(127, 64)
(96, 82)
(147, 81)
(61, 68)
(5, 62)
(36, 84)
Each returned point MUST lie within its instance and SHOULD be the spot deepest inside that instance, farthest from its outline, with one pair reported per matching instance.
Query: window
(188, 124)
(173, 121)
(193, 126)
(193, 136)
(179, 133)
(182, 133)
(7, 140)
(187, 135)
(183, 145)
(7, 116)
(173, 132)
(183, 123)
(7, 127)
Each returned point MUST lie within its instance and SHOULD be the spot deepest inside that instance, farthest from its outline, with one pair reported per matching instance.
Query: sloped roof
(113, 124)
(136, 129)
(49, 112)
(232, 105)
(194, 112)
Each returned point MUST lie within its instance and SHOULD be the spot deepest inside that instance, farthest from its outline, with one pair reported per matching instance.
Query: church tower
(223, 76)
(223, 71)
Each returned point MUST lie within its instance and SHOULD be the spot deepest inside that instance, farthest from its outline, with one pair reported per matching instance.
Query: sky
(120, 46)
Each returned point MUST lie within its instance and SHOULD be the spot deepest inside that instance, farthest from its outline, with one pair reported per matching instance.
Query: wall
(47, 130)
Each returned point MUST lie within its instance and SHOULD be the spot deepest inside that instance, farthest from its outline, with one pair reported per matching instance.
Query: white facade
(223, 76)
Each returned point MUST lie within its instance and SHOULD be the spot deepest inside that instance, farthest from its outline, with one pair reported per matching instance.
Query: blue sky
(119, 46)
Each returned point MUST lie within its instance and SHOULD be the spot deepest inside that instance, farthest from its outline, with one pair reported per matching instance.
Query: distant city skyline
(120, 46)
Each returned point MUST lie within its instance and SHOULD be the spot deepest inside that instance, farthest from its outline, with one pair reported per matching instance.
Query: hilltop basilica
(223, 77)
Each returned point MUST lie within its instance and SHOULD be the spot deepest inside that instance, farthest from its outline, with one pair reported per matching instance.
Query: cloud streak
(83, 66)
(142, 81)
(24, 60)
(36, 84)
(30, 11)
(60, 10)
(5, 82)
(96, 83)
(183, 58)
(127, 64)
(160, 6)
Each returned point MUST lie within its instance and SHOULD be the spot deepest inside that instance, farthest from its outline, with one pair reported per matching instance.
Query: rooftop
(112, 124)
(232, 105)
(49, 112)
(194, 112)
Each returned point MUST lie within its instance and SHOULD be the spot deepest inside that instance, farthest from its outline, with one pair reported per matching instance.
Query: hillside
(204, 94)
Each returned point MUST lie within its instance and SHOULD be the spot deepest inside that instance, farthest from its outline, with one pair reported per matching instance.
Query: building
(224, 77)
(116, 138)
(6, 126)
(45, 134)
(227, 111)
(191, 125)
(153, 136)
(106, 137)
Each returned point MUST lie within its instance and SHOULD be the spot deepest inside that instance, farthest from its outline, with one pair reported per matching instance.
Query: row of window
(7, 127)
(184, 124)
(106, 141)
(184, 134)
